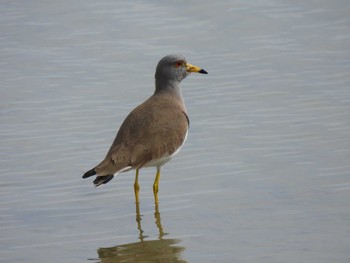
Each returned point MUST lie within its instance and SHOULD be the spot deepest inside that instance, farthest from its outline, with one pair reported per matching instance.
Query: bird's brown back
(152, 130)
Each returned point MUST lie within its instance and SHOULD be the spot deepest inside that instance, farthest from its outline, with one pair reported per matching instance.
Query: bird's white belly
(166, 158)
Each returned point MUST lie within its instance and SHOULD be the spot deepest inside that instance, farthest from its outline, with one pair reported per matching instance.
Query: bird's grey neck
(171, 86)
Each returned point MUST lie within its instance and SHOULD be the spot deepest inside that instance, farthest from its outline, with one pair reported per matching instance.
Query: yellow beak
(192, 68)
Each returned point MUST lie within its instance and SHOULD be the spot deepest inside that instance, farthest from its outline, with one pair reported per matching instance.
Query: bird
(153, 132)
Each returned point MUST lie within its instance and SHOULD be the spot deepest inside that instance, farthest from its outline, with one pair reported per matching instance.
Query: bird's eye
(179, 64)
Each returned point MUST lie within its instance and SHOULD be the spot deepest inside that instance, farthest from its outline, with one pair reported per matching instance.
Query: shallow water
(264, 173)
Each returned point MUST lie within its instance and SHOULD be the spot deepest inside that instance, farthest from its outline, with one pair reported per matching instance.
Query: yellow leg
(137, 186)
(156, 186)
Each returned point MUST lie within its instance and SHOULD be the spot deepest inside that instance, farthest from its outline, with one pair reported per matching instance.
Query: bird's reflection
(160, 250)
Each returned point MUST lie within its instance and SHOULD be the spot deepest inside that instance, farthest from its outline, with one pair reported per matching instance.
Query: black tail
(103, 179)
(89, 173)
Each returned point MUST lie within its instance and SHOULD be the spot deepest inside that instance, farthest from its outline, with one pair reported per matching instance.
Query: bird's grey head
(172, 69)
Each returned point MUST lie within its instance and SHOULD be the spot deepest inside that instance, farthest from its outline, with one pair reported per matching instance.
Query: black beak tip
(203, 71)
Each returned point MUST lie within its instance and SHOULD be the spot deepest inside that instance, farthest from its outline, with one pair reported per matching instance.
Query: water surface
(264, 173)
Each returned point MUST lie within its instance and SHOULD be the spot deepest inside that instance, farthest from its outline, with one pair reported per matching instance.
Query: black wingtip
(89, 173)
(103, 179)
(203, 71)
